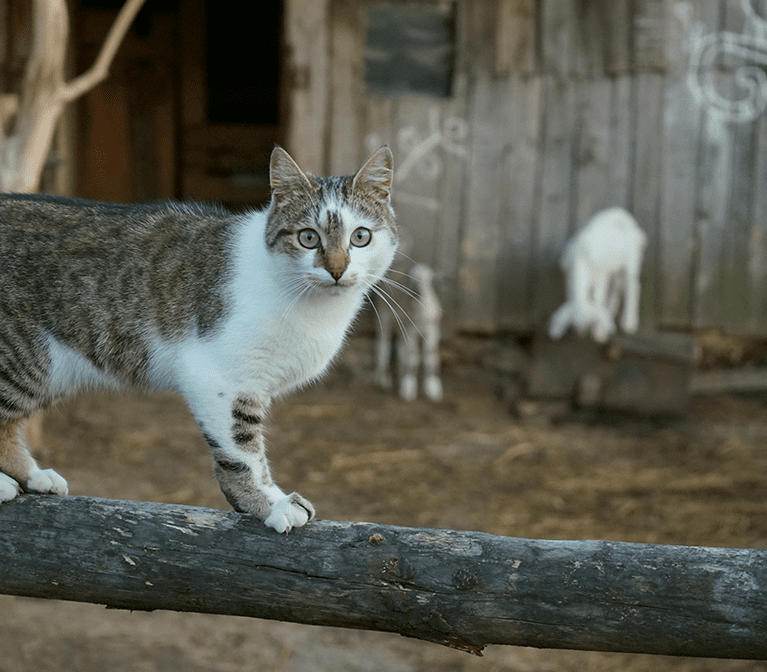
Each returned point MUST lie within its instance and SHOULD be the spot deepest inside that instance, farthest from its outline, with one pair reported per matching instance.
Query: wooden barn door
(126, 130)
(192, 106)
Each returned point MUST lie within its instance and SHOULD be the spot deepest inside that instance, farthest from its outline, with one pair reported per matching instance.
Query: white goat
(411, 317)
(602, 264)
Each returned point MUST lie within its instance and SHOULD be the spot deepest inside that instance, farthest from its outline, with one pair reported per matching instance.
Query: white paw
(630, 324)
(9, 488)
(289, 512)
(47, 481)
(432, 388)
(408, 388)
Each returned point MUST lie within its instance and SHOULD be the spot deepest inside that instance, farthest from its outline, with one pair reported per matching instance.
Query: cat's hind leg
(19, 467)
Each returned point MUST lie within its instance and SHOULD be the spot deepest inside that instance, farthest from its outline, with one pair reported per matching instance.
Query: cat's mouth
(333, 287)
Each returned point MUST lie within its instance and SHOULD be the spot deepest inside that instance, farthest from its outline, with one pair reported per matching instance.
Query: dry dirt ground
(360, 454)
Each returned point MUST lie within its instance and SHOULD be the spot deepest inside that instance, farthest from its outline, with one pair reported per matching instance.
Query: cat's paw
(289, 512)
(46, 481)
(9, 488)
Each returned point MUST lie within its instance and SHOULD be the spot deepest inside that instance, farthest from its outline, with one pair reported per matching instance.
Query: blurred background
(512, 122)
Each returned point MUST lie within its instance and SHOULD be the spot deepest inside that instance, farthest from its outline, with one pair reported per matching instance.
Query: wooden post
(460, 589)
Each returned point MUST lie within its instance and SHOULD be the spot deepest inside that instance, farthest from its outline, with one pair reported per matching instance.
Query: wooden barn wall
(559, 109)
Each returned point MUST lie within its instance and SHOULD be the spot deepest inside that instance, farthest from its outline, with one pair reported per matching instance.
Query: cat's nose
(336, 272)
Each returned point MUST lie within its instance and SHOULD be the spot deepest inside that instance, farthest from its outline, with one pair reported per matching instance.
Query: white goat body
(602, 264)
(411, 317)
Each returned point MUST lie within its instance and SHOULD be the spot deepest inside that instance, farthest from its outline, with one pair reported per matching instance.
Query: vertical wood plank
(555, 221)
(419, 135)
(559, 22)
(715, 155)
(647, 186)
(479, 245)
(452, 199)
(621, 159)
(738, 226)
(347, 86)
(593, 160)
(648, 34)
(682, 120)
(306, 36)
(515, 37)
(519, 204)
(713, 176)
(619, 54)
(740, 200)
(757, 253)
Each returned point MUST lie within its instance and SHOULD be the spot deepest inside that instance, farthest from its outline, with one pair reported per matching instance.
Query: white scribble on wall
(418, 153)
(727, 61)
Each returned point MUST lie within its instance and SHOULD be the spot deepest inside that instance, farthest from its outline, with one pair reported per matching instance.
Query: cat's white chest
(275, 348)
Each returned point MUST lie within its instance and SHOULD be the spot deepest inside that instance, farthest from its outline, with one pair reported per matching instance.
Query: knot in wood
(464, 579)
(402, 568)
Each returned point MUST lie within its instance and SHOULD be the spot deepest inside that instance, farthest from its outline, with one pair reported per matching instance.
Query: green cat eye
(308, 238)
(361, 237)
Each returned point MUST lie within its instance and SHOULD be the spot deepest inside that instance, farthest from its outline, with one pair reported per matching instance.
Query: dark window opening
(243, 63)
(410, 48)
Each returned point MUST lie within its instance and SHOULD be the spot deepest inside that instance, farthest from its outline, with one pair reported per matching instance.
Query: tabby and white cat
(228, 310)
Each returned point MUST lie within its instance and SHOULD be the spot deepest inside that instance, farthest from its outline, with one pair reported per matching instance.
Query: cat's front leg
(242, 470)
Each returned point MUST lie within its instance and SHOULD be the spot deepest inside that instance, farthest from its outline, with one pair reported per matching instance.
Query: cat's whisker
(404, 289)
(375, 310)
(410, 259)
(391, 302)
(304, 290)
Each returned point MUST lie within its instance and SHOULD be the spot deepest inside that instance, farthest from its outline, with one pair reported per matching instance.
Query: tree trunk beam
(460, 589)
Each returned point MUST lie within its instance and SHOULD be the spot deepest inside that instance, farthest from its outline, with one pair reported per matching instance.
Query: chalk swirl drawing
(419, 152)
(719, 56)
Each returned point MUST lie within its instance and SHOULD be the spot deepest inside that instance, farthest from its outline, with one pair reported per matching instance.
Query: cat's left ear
(376, 174)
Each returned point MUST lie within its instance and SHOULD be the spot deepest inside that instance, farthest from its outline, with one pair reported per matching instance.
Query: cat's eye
(308, 238)
(361, 237)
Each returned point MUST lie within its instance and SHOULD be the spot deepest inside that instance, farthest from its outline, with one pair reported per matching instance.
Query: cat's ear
(376, 174)
(284, 173)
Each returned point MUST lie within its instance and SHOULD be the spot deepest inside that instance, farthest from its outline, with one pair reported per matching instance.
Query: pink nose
(336, 272)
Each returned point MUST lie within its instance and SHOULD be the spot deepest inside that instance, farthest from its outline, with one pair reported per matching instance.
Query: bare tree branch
(45, 94)
(100, 69)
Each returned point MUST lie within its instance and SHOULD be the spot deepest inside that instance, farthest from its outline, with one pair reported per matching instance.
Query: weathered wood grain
(461, 589)
(306, 38)
(616, 122)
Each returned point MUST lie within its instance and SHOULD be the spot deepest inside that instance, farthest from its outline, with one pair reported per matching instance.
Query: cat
(228, 310)
(602, 263)
(409, 314)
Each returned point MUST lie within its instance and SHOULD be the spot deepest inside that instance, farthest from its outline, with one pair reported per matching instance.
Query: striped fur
(228, 310)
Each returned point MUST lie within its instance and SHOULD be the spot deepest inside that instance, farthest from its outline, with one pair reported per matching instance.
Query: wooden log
(461, 589)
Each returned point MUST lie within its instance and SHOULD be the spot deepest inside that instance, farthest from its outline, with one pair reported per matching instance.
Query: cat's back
(99, 277)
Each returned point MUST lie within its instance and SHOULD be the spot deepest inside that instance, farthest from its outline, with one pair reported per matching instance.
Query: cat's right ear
(284, 173)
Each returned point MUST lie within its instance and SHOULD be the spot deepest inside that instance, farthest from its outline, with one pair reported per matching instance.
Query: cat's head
(339, 233)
